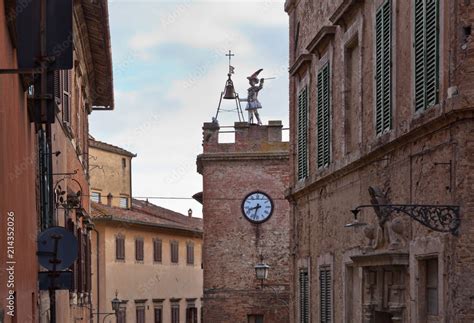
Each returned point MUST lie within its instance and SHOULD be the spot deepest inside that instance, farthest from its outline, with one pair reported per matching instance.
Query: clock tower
(246, 223)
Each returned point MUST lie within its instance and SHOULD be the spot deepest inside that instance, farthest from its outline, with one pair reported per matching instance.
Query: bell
(229, 92)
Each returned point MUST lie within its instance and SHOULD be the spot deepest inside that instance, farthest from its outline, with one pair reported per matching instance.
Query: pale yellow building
(110, 174)
(150, 256)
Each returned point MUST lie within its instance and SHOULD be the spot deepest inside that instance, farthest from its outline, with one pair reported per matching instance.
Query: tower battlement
(247, 138)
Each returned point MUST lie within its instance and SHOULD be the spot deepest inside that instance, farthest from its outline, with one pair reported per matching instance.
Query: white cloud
(162, 122)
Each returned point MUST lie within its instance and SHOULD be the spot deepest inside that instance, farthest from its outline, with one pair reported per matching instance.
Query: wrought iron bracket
(441, 218)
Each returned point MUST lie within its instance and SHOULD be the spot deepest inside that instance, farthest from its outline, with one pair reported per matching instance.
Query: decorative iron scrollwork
(441, 218)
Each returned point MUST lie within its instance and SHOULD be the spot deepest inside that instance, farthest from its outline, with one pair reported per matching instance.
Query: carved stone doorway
(384, 293)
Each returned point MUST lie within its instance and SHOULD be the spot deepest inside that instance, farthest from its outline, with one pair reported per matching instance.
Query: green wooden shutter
(383, 68)
(304, 296)
(302, 149)
(426, 50)
(323, 117)
(325, 289)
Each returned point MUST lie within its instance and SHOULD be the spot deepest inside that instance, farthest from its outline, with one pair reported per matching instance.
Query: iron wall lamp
(441, 218)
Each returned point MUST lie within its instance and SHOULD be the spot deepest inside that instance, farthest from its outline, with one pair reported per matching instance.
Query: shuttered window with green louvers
(426, 51)
(325, 289)
(304, 296)
(383, 68)
(324, 117)
(302, 145)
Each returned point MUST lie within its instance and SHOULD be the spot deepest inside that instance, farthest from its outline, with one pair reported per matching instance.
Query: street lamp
(261, 271)
(116, 304)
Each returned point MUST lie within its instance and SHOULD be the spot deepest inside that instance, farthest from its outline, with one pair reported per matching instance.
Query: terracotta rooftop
(148, 214)
(108, 147)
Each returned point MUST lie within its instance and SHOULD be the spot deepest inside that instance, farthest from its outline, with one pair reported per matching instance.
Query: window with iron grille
(174, 251)
(139, 249)
(45, 180)
(140, 314)
(190, 253)
(158, 314)
(304, 295)
(325, 289)
(383, 68)
(175, 313)
(157, 250)
(426, 53)
(302, 134)
(120, 247)
(324, 117)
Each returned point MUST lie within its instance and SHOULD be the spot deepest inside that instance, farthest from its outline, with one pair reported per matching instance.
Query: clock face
(257, 207)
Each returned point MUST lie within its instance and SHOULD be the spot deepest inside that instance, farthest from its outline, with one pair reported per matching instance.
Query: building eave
(166, 227)
(95, 26)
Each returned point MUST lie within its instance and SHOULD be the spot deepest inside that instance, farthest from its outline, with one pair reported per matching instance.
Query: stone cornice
(434, 125)
(232, 157)
(343, 8)
(300, 62)
(325, 33)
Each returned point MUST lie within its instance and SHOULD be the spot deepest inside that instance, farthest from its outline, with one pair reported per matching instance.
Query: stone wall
(426, 158)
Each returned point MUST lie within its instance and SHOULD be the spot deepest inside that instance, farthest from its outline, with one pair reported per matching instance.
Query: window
(426, 52)
(140, 314)
(124, 163)
(120, 247)
(95, 197)
(190, 253)
(352, 95)
(323, 117)
(191, 314)
(255, 318)
(174, 251)
(124, 202)
(122, 315)
(139, 249)
(383, 68)
(158, 314)
(325, 289)
(174, 312)
(302, 135)
(157, 254)
(66, 94)
(304, 296)
(431, 272)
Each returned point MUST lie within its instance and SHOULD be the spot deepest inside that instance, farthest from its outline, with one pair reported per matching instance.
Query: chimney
(190, 213)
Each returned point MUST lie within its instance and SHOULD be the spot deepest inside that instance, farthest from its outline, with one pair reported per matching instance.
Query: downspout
(97, 273)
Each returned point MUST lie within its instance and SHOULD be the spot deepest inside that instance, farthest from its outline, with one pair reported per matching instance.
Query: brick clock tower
(246, 222)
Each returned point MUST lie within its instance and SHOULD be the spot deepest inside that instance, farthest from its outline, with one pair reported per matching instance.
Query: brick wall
(258, 160)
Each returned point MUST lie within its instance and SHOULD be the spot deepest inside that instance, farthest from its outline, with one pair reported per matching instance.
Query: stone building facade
(256, 162)
(44, 167)
(381, 98)
(150, 256)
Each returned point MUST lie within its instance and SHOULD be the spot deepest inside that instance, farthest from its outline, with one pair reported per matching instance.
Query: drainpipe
(97, 274)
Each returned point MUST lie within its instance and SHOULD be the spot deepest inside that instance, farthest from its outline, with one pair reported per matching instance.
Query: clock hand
(256, 209)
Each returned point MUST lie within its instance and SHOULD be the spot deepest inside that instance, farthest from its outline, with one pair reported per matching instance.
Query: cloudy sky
(169, 69)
